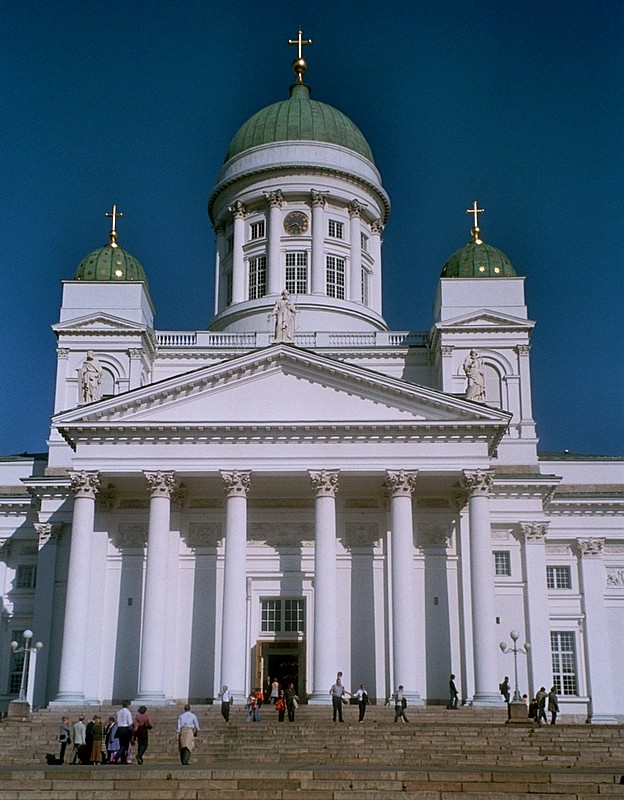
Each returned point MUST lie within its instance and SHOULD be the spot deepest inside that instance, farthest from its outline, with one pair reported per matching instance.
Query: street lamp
(515, 650)
(28, 674)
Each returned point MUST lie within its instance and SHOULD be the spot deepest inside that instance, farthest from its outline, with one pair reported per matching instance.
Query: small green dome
(478, 260)
(299, 119)
(110, 263)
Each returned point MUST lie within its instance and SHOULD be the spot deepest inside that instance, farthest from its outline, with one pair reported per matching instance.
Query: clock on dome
(296, 223)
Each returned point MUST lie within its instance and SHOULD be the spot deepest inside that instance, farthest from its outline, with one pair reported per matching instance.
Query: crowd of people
(537, 707)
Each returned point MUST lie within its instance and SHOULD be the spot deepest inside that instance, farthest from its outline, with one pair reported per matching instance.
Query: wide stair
(438, 755)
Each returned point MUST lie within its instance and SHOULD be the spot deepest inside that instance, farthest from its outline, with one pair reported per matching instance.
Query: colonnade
(408, 658)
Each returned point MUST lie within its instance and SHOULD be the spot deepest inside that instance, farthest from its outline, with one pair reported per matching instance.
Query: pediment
(279, 386)
(486, 319)
(98, 322)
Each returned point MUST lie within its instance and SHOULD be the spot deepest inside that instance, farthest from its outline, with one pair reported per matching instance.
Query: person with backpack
(400, 704)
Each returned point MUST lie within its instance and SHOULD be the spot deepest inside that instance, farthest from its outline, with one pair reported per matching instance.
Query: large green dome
(478, 260)
(299, 119)
(110, 263)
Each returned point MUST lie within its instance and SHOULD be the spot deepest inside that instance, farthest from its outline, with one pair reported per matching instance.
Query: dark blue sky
(519, 105)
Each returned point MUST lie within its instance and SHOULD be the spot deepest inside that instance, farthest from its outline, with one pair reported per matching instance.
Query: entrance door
(284, 661)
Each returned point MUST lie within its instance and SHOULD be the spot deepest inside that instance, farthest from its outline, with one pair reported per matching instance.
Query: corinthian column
(73, 658)
(408, 663)
(478, 485)
(601, 686)
(537, 619)
(238, 265)
(275, 279)
(234, 632)
(355, 266)
(325, 607)
(153, 632)
(319, 199)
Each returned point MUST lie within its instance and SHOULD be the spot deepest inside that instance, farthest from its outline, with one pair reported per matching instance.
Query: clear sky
(519, 105)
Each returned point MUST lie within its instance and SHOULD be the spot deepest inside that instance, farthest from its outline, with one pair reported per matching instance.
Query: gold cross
(300, 42)
(114, 214)
(476, 211)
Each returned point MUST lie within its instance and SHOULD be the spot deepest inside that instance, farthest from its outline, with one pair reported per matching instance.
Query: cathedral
(299, 490)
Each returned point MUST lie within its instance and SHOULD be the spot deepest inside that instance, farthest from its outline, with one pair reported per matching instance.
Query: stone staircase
(439, 755)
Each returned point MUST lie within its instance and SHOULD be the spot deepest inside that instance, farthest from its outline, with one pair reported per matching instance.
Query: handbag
(295, 702)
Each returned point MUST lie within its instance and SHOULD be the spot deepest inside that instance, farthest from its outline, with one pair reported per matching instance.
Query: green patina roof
(110, 263)
(299, 119)
(478, 260)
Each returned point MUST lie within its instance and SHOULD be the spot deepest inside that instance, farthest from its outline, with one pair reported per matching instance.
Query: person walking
(79, 730)
(142, 727)
(292, 702)
(275, 691)
(280, 707)
(553, 705)
(64, 738)
(453, 693)
(111, 741)
(125, 726)
(187, 730)
(226, 702)
(400, 704)
(505, 691)
(541, 697)
(338, 693)
(362, 701)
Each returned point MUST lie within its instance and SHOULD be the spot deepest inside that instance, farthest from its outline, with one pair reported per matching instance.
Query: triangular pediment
(280, 386)
(486, 319)
(98, 322)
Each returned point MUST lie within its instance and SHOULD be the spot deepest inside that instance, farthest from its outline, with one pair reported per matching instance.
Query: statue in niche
(90, 379)
(475, 372)
(284, 313)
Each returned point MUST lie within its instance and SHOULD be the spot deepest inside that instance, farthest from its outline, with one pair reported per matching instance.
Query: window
(365, 291)
(16, 664)
(26, 577)
(563, 662)
(558, 578)
(257, 230)
(336, 229)
(335, 277)
(297, 273)
(228, 288)
(364, 242)
(230, 243)
(283, 616)
(257, 277)
(502, 562)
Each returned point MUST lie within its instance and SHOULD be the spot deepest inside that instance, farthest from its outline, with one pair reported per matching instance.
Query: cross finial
(113, 214)
(299, 64)
(475, 210)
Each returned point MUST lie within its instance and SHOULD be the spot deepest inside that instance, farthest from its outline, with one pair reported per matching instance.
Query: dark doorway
(284, 661)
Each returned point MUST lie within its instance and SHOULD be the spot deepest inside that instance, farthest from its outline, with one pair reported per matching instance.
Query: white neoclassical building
(298, 489)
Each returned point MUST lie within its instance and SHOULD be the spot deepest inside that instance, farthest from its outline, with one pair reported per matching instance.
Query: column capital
(236, 484)
(523, 349)
(160, 484)
(62, 352)
(534, 532)
(591, 548)
(47, 532)
(355, 208)
(478, 482)
(400, 483)
(319, 199)
(219, 228)
(85, 484)
(275, 199)
(325, 482)
(377, 227)
(238, 210)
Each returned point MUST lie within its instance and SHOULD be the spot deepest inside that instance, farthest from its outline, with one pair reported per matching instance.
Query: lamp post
(28, 674)
(515, 650)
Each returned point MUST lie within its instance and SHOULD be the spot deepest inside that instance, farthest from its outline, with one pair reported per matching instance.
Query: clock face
(296, 223)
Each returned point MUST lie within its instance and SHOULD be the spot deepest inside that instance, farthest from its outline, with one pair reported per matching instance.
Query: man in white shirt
(188, 727)
(125, 725)
(78, 737)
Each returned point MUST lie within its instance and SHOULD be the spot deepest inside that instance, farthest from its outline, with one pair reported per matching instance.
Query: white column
(48, 536)
(153, 631)
(135, 367)
(76, 624)
(536, 604)
(60, 393)
(319, 200)
(355, 268)
(234, 631)
(376, 231)
(325, 605)
(219, 230)
(408, 662)
(238, 265)
(478, 484)
(275, 277)
(601, 686)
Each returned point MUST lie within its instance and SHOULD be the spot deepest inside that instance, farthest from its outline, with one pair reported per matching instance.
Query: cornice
(607, 504)
(14, 504)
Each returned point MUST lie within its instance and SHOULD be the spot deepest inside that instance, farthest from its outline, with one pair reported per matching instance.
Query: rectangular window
(26, 577)
(365, 294)
(16, 664)
(558, 578)
(257, 277)
(335, 277)
(563, 662)
(228, 288)
(283, 616)
(502, 562)
(364, 242)
(336, 229)
(297, 272)
(257, 230)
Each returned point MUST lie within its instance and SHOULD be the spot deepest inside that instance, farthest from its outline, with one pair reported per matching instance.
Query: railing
(249, 341)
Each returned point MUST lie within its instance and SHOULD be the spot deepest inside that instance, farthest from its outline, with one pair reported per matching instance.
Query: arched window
(107, 386)
(493, 393)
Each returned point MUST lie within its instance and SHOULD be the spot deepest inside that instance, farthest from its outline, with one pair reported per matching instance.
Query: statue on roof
(90, 379)
(475, 372)
(284, 313)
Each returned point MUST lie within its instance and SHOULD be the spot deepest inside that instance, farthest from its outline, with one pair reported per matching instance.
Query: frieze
(501, 534)
(432, 502)
(558, 549)
(434, 536)
(361, 502)
(204, 535)
(614, 548)
(280, 533)
(107, 499)
(133, 502)
(130, 535)
(360, 534)
(615, 577)
(205, 502)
